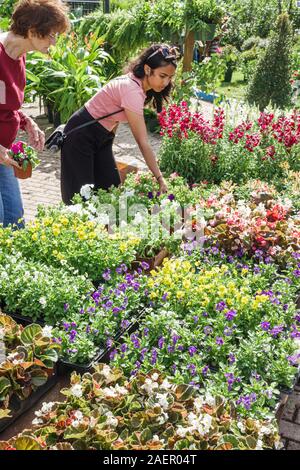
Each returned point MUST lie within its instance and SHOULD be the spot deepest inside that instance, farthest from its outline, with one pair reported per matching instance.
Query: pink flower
(18, 147)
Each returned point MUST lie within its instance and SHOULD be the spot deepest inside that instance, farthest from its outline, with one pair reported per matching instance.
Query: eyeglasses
(169, 53)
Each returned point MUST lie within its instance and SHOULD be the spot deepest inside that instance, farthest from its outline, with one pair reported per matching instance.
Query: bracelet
(157, 179)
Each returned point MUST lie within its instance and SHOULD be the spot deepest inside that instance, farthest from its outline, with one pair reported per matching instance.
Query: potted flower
(26, 157)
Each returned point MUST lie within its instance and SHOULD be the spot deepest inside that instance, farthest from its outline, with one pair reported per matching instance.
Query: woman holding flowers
(34, 26)
(87, 156)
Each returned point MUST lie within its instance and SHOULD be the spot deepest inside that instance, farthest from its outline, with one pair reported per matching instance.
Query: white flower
(111, 420)
(92, 208)
(43, 301)
(86, 191)
(75, 423)
(259, 445)
(198, 403)
(149, 386)
(78, 415)
(210, 400)
(47, 331)
(106, 371)
(37, 421)
(2, 331)
(241, 427)
(163, 418)
(121, 390)
(181, 431)
(163, 401)
(155, 376)
(156, 438)
(47, 407)
(76, 390)
(166, 384)
(102, 219)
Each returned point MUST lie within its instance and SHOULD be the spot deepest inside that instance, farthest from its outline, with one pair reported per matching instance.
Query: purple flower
(112, 354)
(81, 311)
(231, 358)
(219, 341)
(195, 318)
(230, 315)
(204, 314)
(208, 330)
(296, 273)
(174, 367)
(228, 331)
(265, 325)
(66, 326)
(180, 347)
(66, 307)
(171, 197)
(109, 343)
(116, 310)
(297, 317)
(88, 329)
(161, 342)
(220, 306)
(294, 360)
(192, 369)
(175, 338)
(106, 275)
(150, 195)
(153, 356)
(119, 270)
(125, 324)
(123, 348)
(170, 349)
(146, 331)
(164, 297)
(205, 370)
(276, 331)
(145, 265)
(135, 341)
(192, 350)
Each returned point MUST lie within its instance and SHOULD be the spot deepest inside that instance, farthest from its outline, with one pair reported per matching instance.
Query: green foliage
(271, 80)
(72, 75)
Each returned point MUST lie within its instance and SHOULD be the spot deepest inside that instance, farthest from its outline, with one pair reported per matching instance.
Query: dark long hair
(160, 59)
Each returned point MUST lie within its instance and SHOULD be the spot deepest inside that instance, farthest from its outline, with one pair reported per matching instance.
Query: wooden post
(189, 42)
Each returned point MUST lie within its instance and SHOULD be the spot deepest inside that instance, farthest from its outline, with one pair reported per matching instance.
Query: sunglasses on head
(168, 53)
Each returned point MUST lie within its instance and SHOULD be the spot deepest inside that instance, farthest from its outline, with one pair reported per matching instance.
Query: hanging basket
(23, 174)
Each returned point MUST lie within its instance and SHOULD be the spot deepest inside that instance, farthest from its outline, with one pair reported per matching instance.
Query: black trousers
(87, 157)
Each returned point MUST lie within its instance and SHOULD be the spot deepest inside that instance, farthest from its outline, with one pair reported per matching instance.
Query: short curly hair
(42, 16)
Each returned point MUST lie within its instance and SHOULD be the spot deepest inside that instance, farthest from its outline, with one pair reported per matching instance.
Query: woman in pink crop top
(86, 156)
(34, 26)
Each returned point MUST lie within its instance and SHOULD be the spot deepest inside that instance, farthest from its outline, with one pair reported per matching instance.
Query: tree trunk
(189, 42)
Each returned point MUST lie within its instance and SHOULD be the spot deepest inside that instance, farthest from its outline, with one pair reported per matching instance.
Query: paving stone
(292, 406)
(292, 445)
(289, 430)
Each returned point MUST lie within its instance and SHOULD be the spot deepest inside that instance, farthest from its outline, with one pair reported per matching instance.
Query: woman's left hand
(36, 137)
(163, 188)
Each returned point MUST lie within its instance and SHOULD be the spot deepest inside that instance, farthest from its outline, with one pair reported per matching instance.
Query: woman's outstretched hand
(36, 137)
(163, 188)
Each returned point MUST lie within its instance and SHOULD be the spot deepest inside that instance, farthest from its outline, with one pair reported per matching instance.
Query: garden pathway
(44, 188)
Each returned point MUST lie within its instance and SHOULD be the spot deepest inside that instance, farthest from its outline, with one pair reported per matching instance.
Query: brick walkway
(44, 188)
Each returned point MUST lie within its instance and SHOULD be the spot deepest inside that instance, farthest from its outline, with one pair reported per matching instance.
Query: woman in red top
(35, 24)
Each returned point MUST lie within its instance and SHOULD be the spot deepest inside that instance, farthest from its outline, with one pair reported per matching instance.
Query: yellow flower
(34, 237)
(153, 295)
(179, 294)
(48, 221)
(186, 283)
(64, 221)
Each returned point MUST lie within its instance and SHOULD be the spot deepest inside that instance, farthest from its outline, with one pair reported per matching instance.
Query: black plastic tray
(19, 407)
(24, 320)
(65, 366)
